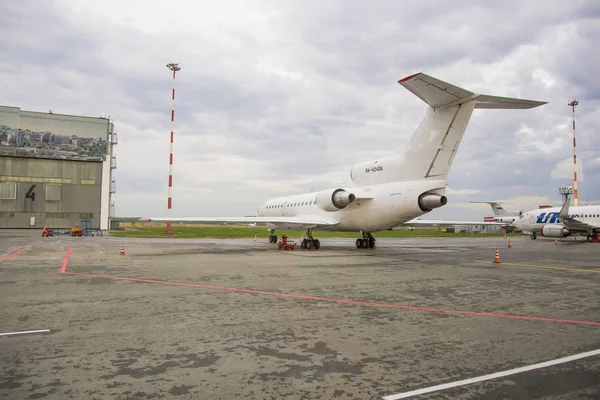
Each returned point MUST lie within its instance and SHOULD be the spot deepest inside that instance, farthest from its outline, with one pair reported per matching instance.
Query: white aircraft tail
(499, 211)
(434, 144)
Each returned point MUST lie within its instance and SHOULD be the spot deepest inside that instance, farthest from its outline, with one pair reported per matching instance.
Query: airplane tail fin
(499, 211)
(434, 144)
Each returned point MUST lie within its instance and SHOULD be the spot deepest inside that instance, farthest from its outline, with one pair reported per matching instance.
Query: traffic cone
(509, 245)
(556, 241)
(497, 258)
(122, 250)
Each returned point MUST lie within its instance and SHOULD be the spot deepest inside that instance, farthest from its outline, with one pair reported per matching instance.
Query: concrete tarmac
(223, 319)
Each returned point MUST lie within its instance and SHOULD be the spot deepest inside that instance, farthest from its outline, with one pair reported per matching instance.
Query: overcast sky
(278, 98)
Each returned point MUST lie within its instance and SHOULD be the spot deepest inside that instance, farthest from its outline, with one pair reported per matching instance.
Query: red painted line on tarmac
(65, 262)
(8, 257)
(346, 301)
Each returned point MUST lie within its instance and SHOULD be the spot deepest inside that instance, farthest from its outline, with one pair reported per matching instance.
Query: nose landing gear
(272, 237)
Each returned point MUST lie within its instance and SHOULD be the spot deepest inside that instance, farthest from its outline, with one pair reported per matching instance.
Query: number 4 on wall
(30, 193)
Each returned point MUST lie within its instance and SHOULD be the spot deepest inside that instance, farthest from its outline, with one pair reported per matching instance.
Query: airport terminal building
(55, 170)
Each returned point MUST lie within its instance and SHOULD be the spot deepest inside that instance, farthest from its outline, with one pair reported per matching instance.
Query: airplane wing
(573, 224)
(441, 222)
(282, 222)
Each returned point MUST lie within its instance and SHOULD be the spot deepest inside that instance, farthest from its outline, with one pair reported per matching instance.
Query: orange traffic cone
(122, 250)
(509, 245)
(497, 258)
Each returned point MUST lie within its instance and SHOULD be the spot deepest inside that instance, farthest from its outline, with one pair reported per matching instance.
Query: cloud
(564, 170)
(276, 97)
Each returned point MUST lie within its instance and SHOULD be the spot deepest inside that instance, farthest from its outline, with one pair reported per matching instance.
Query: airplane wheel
(309, 244)
(371, 244)
(317, 244)
(590, 238)
(365, 243)
(358, 243)
(303, 244)
(533, 237)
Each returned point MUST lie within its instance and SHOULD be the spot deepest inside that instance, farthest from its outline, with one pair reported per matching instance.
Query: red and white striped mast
(173, 67)
(573, 104)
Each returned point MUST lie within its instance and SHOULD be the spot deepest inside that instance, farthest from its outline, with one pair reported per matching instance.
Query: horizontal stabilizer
(440, 94)
(508, 103)
(499, 211)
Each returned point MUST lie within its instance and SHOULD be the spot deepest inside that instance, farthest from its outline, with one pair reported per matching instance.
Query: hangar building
(55, 170)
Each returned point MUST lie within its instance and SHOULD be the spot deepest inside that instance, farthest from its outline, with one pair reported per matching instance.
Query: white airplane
(390, 191)
(500, 213)
(557, 222)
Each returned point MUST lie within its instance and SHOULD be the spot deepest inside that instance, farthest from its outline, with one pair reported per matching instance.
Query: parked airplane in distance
(389, 191)
(500, 213)
(557, 222)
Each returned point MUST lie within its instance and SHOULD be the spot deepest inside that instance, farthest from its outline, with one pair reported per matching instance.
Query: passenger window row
(303, 203)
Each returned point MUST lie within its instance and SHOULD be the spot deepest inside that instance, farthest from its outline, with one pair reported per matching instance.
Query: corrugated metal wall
(56, 193)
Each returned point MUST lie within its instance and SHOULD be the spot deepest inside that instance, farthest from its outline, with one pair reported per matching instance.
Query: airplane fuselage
(533, 221)
(387, 205)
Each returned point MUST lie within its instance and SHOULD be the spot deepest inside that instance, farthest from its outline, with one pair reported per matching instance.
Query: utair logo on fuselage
(548, 218)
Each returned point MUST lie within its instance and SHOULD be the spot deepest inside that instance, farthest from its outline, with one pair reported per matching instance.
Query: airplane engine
(554, 231)
(429, 201)
(334, 199)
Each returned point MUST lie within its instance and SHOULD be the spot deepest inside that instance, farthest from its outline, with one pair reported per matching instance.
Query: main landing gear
(595, 238)
(310, 242)
(366, 242)
(533, 236)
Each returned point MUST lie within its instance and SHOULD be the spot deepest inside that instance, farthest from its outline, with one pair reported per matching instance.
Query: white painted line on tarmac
(24, 332)
(492, 376)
